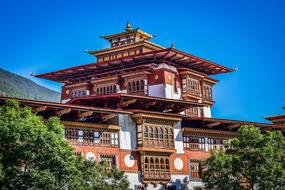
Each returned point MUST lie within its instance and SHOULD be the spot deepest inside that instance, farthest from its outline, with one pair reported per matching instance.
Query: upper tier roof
(128, 36)
(170, 56)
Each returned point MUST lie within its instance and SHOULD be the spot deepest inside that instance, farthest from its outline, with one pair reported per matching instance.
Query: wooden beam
(213, 124)
(152, 103)
(170, 106)
(39, 109)
(128, 102)
(85, 114)
(106, 117)
(62, 112)
(231, 127)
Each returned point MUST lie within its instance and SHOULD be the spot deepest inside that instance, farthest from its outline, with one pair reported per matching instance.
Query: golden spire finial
(128, 27)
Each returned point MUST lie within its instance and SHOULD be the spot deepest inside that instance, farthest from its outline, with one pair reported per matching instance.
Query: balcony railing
(163, 143)
(83, 136)
(156, 174)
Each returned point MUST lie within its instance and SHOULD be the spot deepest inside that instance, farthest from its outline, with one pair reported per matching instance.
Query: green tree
(94, 176)
(254, 160)
(35, 155)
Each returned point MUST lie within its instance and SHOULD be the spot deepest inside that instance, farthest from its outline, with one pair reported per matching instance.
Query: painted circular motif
(178, 163)
(169, 77)
(67, 91)
(90, 156)
(129, 160)
(156, 77)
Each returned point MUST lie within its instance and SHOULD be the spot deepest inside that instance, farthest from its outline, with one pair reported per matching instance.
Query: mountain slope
(13, 85)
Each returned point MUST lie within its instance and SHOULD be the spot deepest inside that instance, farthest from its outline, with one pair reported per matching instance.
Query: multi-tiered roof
(149, 55)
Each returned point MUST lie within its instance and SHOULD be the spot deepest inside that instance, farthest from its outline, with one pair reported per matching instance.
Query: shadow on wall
(178, 184)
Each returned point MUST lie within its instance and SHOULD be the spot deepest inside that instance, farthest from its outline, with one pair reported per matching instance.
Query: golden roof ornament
(128, 27)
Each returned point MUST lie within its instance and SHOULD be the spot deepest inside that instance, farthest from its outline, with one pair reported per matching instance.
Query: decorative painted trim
(92, 125)
(76, 85)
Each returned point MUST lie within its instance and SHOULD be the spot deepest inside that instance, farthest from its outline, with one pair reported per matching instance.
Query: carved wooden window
(193, 87)
(138, 87)
(92, 137)
(207, 90)
(109, 161)
(105, 89)
(195, 169)
(194, 143)
(215, 143)
(80, 135)
(145, 131)
(158, 136)
(78, 93)
(193, 112)
(156, 167)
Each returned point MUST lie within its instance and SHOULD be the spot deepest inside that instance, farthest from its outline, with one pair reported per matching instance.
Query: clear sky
(42, 36)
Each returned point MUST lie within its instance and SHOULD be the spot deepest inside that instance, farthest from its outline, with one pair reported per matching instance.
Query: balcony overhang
(135, 102)
(67, 111)
(224, 124)
(170, 56)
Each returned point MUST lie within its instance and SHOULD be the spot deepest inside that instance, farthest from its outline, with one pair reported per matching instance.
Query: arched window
(156, 133)
(108, 90)
(162, 164)
(160, 133)
(150, 132)
(170, 134)
(167, 164)
(146, 163)
(151, 165)
(138, 85)
(157, 164)
(165, 133)
(133, 86)
(145, 131)
(104, 90)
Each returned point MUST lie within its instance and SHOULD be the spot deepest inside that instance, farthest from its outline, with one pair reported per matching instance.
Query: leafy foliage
(12, 85)
(35, 155)
(254, 160)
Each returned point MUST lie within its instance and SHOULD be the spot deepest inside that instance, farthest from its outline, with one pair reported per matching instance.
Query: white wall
(169, 92)
(166, 66)
(164, 91)
(128, 140)
(178, 138)
(156, 90)
(133, 178)
(207, 111)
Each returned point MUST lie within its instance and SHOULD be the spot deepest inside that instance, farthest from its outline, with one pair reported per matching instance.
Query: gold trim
(91, 125)
(147, 149)
(76, 85)
(126, 47)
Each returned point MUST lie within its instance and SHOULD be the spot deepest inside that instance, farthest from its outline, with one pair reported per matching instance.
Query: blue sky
(41, 36)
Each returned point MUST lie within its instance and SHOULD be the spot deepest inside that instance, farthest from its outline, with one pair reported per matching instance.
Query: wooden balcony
(207, 98)
(156, 174)
(159, 145)
(191, 94)
(86, 137)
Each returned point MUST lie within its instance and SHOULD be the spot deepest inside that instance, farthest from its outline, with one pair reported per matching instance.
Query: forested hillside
(13, 85)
